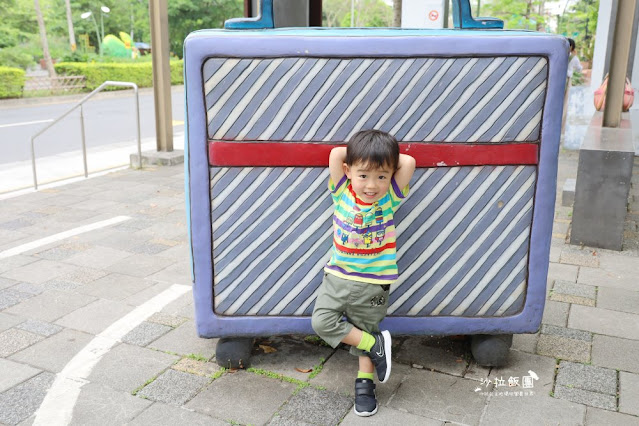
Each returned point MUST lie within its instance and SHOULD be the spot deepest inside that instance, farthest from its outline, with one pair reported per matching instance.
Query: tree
(579, 22)
(186, 16)
(368, 13)
(397, 13)
(43, 39)
(517, 14)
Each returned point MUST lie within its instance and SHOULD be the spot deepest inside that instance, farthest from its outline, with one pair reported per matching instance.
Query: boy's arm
(336, 163)
(405, 170)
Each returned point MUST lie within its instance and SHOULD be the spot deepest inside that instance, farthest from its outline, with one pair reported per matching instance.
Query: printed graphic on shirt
(364, 234)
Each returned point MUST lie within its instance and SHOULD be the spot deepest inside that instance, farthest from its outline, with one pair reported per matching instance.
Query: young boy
(368, 180)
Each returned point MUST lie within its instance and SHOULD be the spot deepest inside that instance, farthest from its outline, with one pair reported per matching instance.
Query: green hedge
(12, 82)
(97, 73)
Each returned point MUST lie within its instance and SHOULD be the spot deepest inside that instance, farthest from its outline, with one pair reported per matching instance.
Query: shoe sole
(365, 413)
(389, 354)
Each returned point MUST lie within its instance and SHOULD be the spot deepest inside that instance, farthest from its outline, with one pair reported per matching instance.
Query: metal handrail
(84, 146)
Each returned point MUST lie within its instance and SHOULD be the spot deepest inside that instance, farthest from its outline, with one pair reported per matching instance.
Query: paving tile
(14, 262)
(55, 352)
(174, 387)
(540, 409)
(599, 417)
(127, 367)
(16, 224)
(145, 333)
(569, 292)
(628, 393)
(388, 416)
(177, 306)
(476, 371)
(555, 313)
(613, 352)
(14, 340)
(149, 247)
(97, 403)
(421, 351)
(439, 396)
(62, 285)
(340, 370)
(617, 299)
(568, 333)
(602, 277)
(83, 275)
(39, 327)
(38, 271)
(96, 316)
(98, 257)
(166, 319)
(7, 282)
(160, 414)
(10, 297)
(184, 341)
(12, 373)
(581, 256)
(289, 355)
(587, 377)
(522, 364)
(587, 384)
(235, 397)
(115, 286)
(112, 238)
(21, 401)
(320, 407)
(32, 289)
(560, 271)
(140, 265)
(50, 305)
(580, 396)
(62, 251)
(178, 273)
(201, 368)
(141, 297)
(7, 321)
(525, 342)
(604, 321)
(563, 348)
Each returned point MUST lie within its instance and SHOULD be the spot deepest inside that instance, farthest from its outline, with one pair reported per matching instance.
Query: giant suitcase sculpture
(479, 110)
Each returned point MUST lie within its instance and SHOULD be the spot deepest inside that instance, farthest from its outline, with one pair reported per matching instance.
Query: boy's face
(370, 184)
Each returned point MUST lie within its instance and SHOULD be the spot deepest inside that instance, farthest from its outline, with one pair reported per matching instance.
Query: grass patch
(218, 374)
(317, 369)
(148, 382)
(316, 340)
(197, 357)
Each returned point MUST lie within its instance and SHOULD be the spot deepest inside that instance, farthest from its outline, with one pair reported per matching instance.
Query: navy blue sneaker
(365, 398)
(380, 354)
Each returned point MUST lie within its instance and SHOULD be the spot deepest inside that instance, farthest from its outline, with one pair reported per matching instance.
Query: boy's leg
(327, 320)
(366, 312)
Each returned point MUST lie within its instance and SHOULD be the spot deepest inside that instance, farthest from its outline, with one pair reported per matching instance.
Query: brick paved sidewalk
(54, 300)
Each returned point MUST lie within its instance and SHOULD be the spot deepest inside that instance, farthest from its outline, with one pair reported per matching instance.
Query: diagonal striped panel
(463, 236)
(480, 100)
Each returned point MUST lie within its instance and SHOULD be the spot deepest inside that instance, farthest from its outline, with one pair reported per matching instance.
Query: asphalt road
(108, 119)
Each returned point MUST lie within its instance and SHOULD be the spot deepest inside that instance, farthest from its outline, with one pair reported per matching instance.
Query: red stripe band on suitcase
(284, 154)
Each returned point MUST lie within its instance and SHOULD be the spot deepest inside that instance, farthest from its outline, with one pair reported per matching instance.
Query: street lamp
(103, 10)
(86, 15)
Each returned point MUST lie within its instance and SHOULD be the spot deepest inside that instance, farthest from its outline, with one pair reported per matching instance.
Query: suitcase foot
(491, 350)
(234, 352)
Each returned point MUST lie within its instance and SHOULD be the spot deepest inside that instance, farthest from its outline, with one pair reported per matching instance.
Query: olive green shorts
(363, 304)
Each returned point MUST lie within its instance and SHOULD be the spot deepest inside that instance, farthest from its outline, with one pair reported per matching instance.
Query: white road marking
(25, 123)
(61, 236)
(57, 406)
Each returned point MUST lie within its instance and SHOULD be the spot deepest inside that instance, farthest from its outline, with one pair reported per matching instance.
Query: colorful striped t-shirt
(364, 234)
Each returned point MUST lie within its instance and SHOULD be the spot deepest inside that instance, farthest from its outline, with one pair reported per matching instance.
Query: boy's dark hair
(571, 42)
(374, 148)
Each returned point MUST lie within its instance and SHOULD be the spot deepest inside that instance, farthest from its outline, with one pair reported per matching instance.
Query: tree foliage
(579, 22)
(368, 13)
(517, 14)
